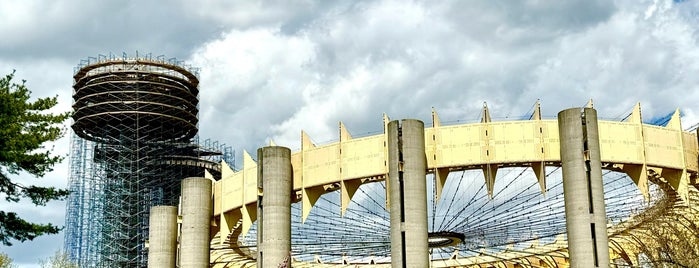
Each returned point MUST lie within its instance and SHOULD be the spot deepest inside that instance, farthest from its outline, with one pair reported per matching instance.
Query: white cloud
(251, 79)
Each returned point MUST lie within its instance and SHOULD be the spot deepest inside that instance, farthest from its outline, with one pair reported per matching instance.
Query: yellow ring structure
(667, 156)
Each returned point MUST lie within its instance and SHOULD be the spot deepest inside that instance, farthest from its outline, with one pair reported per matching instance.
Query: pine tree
(25, 128)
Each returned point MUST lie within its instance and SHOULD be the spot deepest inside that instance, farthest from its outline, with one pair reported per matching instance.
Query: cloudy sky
(270, 69)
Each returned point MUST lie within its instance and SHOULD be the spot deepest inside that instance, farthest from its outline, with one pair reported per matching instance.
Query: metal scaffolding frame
(135, 126)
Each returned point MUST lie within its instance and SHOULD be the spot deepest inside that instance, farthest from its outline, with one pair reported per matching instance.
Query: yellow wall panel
(217, 198)
(363, 157)
(233, 189)
(321, 165)
(552, 143)
(296, 166)
(689, 141)
(514, 142)
(620, 142)
(250, 184)
(663, 147)
(430, 137)
(459, 145)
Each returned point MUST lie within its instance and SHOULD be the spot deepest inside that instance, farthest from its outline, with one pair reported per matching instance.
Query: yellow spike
(440, 175)
(271, 142)
(309, 198)
(306, 142)
(675, 122)
(537, 111)
(540, 172)
(386, 119)
(639, 175)
(249, 213)
(344, 134)
(636, 114)
(247, 160)
(679, 181)
(348, 188)
(486, 114)
(489, 172)
(228, 220)
(435, 119)
(226, 170)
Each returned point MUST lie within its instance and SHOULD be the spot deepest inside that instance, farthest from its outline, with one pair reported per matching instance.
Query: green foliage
(6, 261)
(58, 260)
(25, 127)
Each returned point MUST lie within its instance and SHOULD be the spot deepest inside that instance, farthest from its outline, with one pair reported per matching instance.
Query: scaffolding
(135, 137)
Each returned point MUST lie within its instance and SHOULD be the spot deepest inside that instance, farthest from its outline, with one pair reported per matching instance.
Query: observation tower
(135, 124)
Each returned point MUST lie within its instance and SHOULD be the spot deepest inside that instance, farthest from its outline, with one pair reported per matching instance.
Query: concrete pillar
(197, 209)
(407, 167)
(162, 237)
(274, 182)
(583, 191)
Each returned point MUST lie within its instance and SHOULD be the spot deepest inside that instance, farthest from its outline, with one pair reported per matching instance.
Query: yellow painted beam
(470, 146)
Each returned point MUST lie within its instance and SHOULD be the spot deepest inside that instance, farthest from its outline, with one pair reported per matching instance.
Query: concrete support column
(407, 167)
(197, 209)
(162, 237)
(274, 183)
(583, 191)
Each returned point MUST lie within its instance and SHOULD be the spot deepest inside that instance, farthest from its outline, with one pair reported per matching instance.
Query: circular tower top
(120, 100)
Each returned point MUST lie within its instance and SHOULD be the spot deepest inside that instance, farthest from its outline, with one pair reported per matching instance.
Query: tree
(25, 128)
(6, 261)
(58, 260)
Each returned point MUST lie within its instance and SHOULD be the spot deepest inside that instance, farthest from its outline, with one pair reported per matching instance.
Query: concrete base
(407, 167)
(583, 191)
(162, 237)
(274, 180)
(197, 209)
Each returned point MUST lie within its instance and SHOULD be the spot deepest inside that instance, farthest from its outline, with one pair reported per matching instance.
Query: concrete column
(197, 209)
(407, 167)
(583, 191)
(162, 237)
(274, 182)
